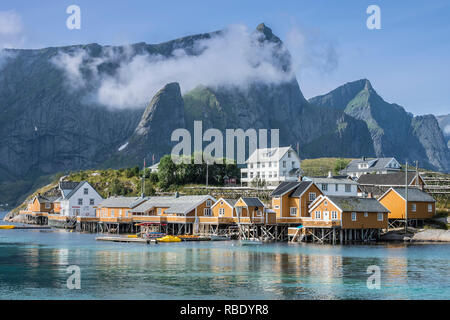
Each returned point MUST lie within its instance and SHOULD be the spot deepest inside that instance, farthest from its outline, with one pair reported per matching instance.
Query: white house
(154, 168)
(335, 186)
(78, 199)
(358, 167)
(272, 165)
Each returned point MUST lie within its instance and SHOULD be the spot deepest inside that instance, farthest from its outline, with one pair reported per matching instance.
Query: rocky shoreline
(422, 235)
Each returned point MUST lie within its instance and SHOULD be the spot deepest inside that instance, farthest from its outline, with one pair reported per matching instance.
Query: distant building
(378, 184)
(78, 199)
(272, 165)
(335, 185)
(358, 167)
(154, 168)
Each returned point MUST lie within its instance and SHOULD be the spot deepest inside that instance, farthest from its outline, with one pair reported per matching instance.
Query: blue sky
(407, 61)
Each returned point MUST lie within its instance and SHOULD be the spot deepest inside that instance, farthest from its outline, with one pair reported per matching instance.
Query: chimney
(370, 195)
(363, 158)
(330, 174)
(176, 194)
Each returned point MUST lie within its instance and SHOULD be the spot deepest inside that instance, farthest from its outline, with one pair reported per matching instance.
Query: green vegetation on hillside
(321, 166)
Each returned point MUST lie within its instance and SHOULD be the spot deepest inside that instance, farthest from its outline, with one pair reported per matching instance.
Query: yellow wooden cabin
(421, 205)
(250, 210)
(347, 213)
(290, 201)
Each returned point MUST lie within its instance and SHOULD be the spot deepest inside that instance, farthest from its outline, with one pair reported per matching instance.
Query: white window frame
(413, 207)
(380, 216)
(277, 207)
(207, 212)
(324, 186)
(366, 214)
(312, 194)
(159, 211)
(91, 202)
(334, 215)
(348, 188)
(208, 203)
(354, 218)
(221, 212)
(293, 211)
(317, 215)
(86, 191)
(47, 205)
(80, 201)
(430, 207)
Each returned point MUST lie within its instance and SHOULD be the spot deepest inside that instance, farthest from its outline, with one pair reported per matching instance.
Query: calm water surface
(33, 265)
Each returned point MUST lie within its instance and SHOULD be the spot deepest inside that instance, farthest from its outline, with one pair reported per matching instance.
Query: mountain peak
(267, 32)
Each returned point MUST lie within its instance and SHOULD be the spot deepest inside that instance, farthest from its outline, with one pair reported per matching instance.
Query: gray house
(358, 167)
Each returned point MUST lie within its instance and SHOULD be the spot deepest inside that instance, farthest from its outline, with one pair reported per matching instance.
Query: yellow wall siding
(396, 205)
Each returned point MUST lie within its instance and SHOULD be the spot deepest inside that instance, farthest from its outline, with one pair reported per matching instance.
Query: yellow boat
(7, 227)
(168, 239)
(132, 236)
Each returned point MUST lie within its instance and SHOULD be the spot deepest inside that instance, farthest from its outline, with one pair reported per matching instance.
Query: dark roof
(283, 188)
(231, 202)
(415, 194)
(358, 204)
(301, 188)
(389, 179)
(253, 202)
(68, 185)
(43, 199)
(75, 189)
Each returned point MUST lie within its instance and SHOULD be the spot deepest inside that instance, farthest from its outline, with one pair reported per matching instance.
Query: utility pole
(406, 198)
(206, 174)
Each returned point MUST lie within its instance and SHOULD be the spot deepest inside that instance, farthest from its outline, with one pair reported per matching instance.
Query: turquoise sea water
(33, 265)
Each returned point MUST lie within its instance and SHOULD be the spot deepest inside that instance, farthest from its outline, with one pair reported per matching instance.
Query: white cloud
(447, 129)
(311, 52)
(233, 58)
(11, 30)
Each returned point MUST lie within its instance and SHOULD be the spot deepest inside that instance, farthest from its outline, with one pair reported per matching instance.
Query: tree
(340, 164)
(167, 172)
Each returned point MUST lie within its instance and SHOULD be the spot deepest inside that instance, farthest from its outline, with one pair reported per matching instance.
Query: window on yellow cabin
(317, 214)
(293, 211)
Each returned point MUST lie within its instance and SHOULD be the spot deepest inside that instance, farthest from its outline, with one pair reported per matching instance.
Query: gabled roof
(374, 164)
(354, 204)
(180, 204)
(253, 202)
(121, 202)
(302, 187)
(283, 188)
(80, 184)
(68, 185)
(230, 202)
(334, 180)
(414, 194)
(389, 179)
(270, 154)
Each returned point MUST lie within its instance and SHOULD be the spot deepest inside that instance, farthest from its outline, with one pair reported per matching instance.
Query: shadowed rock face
(163, 115)
(394, 131)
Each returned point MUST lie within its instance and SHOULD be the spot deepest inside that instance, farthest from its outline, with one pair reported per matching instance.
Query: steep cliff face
(45, 128)
(151, 138)
(444, 124)
(394, 131)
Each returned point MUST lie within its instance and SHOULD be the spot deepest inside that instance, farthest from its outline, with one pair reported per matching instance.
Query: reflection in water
(215, 270)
